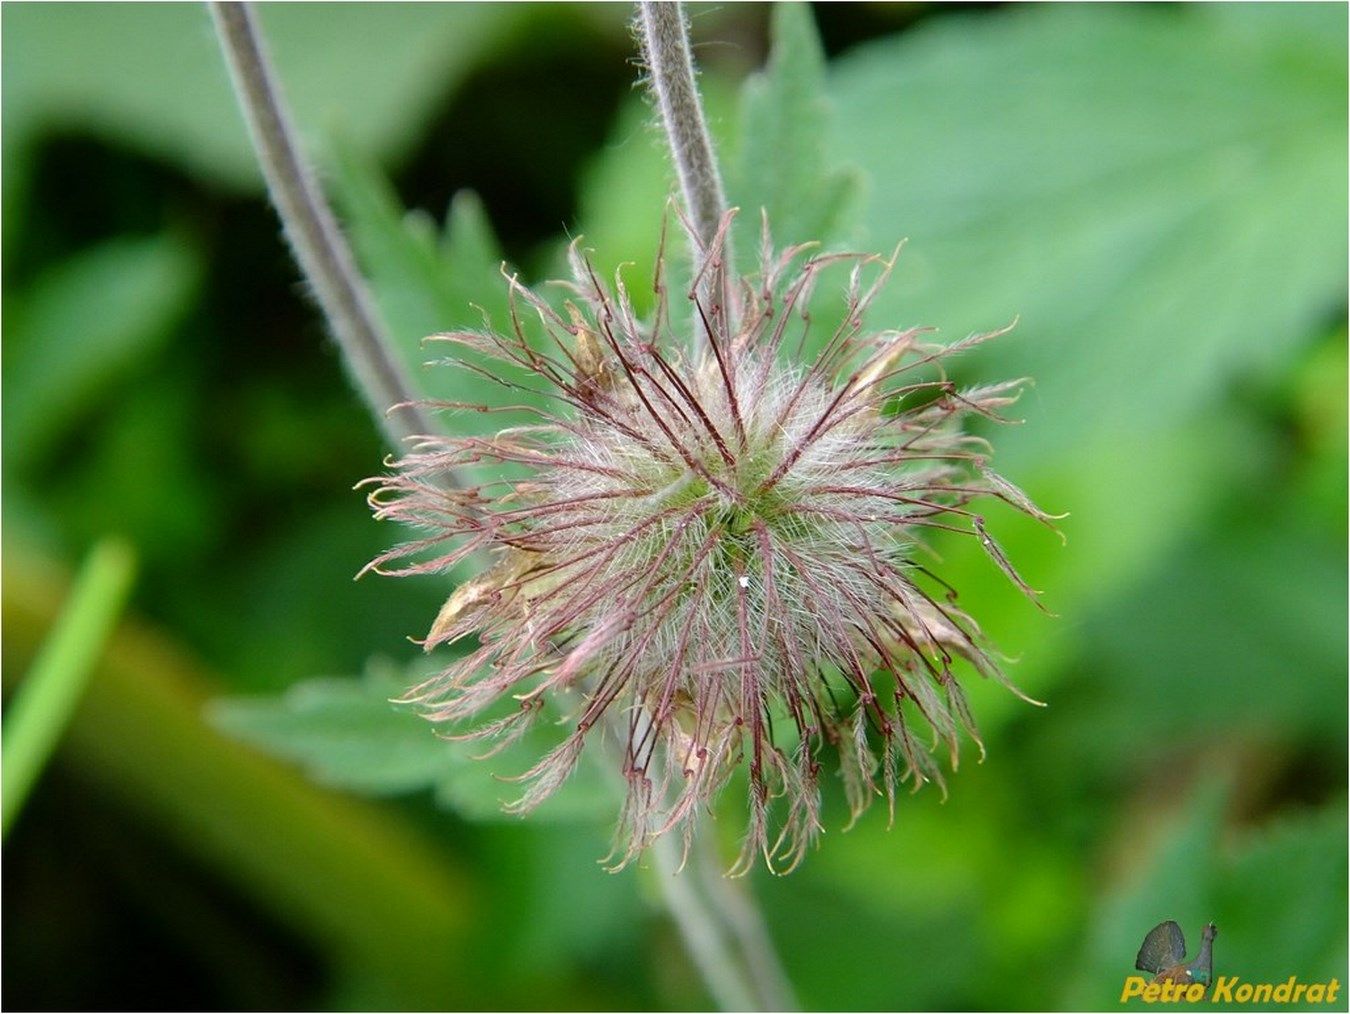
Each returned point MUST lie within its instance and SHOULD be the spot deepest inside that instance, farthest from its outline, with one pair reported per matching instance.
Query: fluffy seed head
(714, 554)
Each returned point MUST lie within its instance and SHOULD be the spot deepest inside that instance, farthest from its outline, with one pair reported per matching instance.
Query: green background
(235, 818)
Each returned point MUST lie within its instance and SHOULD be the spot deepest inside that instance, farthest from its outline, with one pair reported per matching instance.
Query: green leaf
(473, 259)
(1283, 900)
(428, 280)
(83, 325)
(1245, 613)
(950, 905)
(345, 733)
(102, 480)
(425, 279)
(1244, 629)
(624, 195)
(1124, 181)
(42, 706)
(782, 164)
(1159, 196)
(152, 74)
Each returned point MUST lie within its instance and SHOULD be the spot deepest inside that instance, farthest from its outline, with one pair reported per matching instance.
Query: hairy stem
(704, 938)
(664, 35)
(316, 241)
(724, 933)
(744, 920)
(747, 960)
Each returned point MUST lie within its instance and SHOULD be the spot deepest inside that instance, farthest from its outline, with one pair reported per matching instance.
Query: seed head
(713, 555)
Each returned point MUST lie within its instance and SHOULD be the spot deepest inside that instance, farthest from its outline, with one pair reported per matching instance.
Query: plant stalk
(316, 241)
(743, 919)
(732, 953)
(746, 960)
(704, 938)
(664, 34)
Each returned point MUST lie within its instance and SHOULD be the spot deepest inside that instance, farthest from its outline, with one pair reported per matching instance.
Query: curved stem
(725, 938)
(704, 939)
(316, 241)
(743, 918)
(664, 35)
(723, 930)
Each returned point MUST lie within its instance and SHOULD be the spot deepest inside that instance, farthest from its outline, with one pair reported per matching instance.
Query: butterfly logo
(1164, 954)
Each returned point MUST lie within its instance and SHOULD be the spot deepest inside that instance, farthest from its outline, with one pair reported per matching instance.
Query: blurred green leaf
(424, 278)
(781, 162)
(1283, 900)
(170, 520)
(347, 734)
(1235, 620)
(1319, 405)
(1129, 197)
(428, 280)
(293, 607)
(81, 326)
(555, 904)
(365, 889)
(624, 193)
(1243, 634)
(153, 75)
(40, 710)
(1158, 193)
(936, 885)
(1132, 500)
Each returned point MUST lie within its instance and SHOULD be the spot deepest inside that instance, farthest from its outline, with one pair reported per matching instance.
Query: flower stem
(723, 930)
(664, 33)
(743, 972)
(743, 918)
(703, 937)
(748, 961)
(316, 241)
